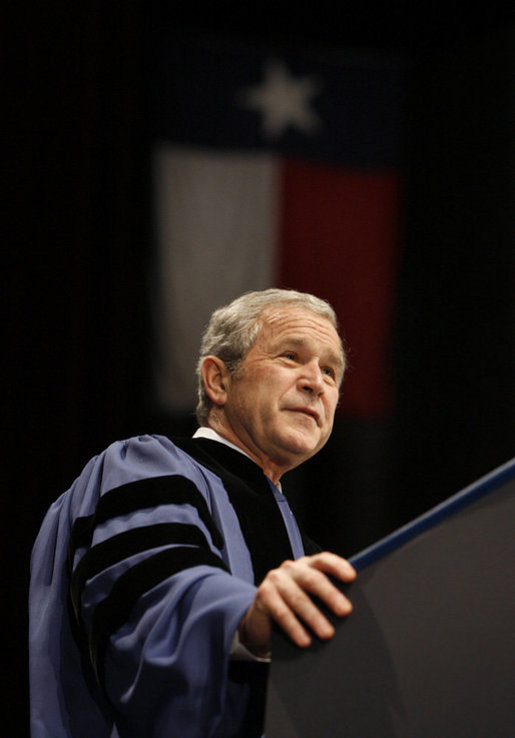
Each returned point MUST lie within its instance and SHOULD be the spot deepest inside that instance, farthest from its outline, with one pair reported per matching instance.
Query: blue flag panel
(345, 108)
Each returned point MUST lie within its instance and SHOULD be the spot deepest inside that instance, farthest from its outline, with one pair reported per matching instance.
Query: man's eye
(329, 371)
(290, 355)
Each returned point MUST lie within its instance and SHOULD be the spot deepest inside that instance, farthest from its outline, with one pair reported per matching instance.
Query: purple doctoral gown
(140, 575)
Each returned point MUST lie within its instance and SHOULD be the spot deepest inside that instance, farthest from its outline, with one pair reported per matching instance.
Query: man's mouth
(309, 412)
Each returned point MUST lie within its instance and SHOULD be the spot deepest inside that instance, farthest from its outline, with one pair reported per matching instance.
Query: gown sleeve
(153, 604)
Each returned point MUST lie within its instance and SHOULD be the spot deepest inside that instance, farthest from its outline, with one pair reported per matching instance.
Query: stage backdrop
(276, 167)
(283, 166)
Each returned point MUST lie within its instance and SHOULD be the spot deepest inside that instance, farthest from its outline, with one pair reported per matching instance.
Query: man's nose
(312, 379)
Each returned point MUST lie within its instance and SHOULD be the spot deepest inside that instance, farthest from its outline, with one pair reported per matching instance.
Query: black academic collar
(252, 497)
(218, 455)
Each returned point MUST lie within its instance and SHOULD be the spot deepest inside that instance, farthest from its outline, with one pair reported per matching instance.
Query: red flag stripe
(338, 238)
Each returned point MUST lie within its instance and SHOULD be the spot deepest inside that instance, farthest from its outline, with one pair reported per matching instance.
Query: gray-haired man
(157, 578)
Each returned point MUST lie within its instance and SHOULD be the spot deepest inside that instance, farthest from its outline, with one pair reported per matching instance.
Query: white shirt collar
(212, 435)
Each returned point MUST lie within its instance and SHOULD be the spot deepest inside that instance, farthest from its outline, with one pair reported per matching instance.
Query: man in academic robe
(157, 578)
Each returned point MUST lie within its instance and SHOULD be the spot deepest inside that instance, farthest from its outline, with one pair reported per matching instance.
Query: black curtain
(76, 344)
(453, 355)
(78, 334)
(455, 333)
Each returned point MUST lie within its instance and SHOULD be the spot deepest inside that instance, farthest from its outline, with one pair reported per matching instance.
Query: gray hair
(233, 328)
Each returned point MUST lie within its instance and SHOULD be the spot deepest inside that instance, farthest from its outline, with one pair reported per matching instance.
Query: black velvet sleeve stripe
(138, 495)
(127, 544)
(115, 610)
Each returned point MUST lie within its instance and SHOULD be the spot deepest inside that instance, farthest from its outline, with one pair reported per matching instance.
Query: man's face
(281, 401)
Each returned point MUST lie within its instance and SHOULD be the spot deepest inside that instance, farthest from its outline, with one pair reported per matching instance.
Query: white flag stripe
(216, 219)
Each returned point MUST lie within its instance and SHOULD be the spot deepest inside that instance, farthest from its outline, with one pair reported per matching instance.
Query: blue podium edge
(475, 491)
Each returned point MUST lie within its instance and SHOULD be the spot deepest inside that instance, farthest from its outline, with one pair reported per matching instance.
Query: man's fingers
(311, 576)
(331, 564)
(270, 605)
(292, 608)
(285, 596)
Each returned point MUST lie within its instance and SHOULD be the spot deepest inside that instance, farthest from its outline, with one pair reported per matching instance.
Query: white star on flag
(283, 100)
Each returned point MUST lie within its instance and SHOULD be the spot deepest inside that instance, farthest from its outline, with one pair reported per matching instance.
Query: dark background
(78, 254)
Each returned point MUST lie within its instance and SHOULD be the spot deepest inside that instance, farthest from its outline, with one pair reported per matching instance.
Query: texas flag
(276, 167)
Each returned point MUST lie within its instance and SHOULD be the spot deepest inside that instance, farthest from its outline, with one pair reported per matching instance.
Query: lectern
(428, 651)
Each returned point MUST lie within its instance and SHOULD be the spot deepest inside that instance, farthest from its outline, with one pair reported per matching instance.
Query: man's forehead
(295, 318)
(298, 323)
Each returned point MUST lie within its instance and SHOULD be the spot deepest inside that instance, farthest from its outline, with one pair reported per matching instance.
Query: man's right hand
(285, 597)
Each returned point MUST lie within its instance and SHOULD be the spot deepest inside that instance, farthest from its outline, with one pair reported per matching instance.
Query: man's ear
(214, 376)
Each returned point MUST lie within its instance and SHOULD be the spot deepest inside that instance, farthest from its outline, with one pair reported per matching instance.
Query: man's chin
(303, 444)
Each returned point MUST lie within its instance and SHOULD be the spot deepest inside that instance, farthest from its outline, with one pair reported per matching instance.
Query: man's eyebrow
(300, 341)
